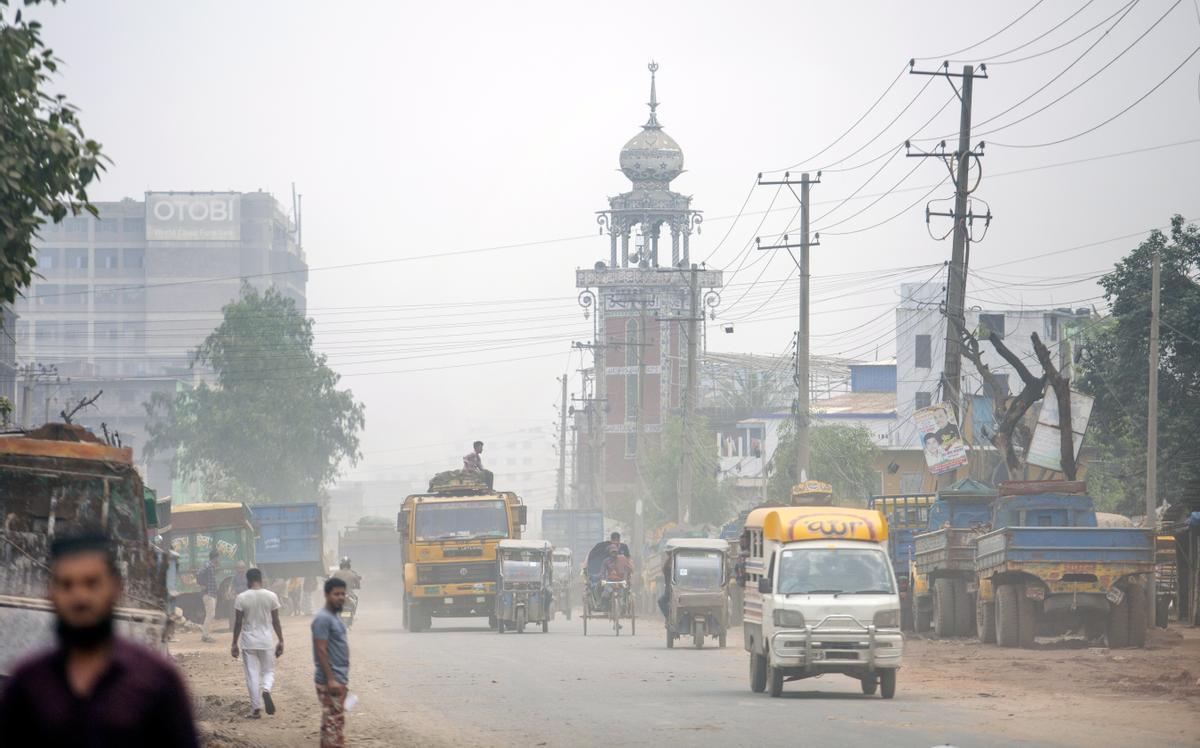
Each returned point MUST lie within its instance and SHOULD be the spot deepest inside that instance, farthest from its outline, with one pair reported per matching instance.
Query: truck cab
(821, 597)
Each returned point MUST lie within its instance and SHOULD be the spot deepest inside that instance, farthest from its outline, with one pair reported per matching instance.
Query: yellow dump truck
(448, 538)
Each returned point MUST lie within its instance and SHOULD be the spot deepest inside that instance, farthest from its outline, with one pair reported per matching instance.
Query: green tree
(46, 163)
(1114, 358)
(842, 456)
(713, 501)
(274, 427)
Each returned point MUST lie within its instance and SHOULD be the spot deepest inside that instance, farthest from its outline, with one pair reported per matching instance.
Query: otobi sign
(193, 216)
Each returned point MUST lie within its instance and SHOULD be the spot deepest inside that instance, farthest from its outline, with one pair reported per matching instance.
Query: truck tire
(1118, 623)
(964, 609)
(887, 683)
(985, 621)
(1162, 611)
(774, 681)
(758, 673)
(922, 618)
(1026, 619)
(943, 608)
(1007, 626)
(1138, 615)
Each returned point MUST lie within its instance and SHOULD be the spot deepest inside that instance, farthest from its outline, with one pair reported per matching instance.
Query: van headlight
(887, 619)
(790, 619)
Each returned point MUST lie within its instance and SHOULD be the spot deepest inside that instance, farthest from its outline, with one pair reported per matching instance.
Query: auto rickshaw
(525, 583)
(561, 561)
(698, 605)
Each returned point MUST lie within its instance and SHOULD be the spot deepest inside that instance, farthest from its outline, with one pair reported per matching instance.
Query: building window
(47, 294)
(134, 259)
(75, 225)
(993, 323)
(107, 259)
(133, 225)
(45, 332)
(106, 332)
(75, 333)
(924, 352)
(76, 259)
(527, 461)
(107, 225)
(911, 482)
(1051, 327)
(105, 296)
(924, 400)
(75, 295)
(48, 259)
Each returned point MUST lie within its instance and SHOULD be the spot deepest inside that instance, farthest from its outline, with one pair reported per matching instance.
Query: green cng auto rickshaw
(698, 594)
(525, 584)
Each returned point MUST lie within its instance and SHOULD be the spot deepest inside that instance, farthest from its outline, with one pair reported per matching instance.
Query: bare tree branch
(84, 403)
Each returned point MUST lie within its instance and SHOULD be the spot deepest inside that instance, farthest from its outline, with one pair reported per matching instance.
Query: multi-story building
(123, 298)
(641, 303)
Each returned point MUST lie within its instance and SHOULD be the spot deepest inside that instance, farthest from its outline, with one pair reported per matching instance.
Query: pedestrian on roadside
(93, 687)
(310, 589)
(331, 656)
(256, 612)
(295, 589)
(207, 578)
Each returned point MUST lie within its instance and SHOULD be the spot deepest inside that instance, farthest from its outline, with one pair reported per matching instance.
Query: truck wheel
(1007, 627)
(1026, 619)
(921, 618)
(906, 614)
(964, 609)
(869, 684)
(1162, 611)
(774, 681)
(758, 673)
(985, 621)
(943, 608)
(887, 683)
(1138, 615)
(1118, 623)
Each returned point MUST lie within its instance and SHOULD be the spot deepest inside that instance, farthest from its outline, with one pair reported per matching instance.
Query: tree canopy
(273, 427)
(46, 163)
(842, 456)
(1115, 367)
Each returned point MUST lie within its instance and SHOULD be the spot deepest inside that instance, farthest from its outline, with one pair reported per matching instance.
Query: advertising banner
(193, 216)
(1045, 448)
(941, 440)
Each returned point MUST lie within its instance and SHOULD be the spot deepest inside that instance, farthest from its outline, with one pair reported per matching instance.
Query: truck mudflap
(838, 642)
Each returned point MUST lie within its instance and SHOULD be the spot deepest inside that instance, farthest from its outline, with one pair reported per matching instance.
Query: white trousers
(259, 665)
(210, 614)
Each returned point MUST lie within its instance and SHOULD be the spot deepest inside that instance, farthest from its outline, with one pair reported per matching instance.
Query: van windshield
(835, 570)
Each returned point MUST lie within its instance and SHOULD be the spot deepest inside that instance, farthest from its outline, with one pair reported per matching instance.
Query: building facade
(123, 298)
(642, 304)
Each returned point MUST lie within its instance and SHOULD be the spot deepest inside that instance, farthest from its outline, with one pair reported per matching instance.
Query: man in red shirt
(94, 687)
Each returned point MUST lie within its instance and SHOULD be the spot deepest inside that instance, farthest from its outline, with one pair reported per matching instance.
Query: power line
(988, 39)
(1067, 43)
(1039, 37)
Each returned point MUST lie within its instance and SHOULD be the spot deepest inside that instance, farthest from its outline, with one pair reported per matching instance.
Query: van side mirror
(764, 585)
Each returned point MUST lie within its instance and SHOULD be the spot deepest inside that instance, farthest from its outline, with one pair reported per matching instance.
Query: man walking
(331, 656)
(256, 612)
(93, 688)
(207, 578)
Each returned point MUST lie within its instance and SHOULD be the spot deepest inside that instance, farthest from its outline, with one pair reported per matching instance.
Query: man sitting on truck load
(473, 463)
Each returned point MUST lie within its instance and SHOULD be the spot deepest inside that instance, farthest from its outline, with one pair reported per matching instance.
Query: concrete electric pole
(561, 496)
(803, 448)
(1152, 420)
(687, 466)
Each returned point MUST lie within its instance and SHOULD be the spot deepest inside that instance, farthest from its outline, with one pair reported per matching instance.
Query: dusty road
(463, 685)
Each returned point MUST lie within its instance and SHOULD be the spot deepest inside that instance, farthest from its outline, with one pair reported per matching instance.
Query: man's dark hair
(333, 583)
(253, 575)
(213, 555)
(615, 537)
(84, 540)
(929, 436)
(477, 444)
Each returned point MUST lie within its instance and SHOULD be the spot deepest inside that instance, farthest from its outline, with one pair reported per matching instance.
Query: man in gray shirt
(331, 655)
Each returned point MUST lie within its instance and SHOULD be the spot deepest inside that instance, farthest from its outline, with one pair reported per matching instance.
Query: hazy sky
(417, 129)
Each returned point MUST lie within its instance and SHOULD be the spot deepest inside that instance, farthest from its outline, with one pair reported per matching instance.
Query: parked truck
(289, 540)
(907, 514)
(197, 529)
(52, 480)
(448, 538)
(942, 560)
(373, 547)
(1046, 568)
(576, 529)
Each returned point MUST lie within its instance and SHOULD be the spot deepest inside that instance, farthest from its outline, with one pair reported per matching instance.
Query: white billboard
(1045, 448)
(193, 216)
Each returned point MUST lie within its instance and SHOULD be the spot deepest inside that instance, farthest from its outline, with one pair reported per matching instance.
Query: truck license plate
(1035, 593)
(448, 600)
(1115, 596)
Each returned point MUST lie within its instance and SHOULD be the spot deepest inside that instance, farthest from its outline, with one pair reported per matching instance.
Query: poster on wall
(941, 440)
(1045, 448)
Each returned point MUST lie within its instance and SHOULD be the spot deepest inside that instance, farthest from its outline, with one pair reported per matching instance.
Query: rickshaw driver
(616, 568)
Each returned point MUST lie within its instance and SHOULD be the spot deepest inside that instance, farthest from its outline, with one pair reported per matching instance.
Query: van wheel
(758, 673)
(774, 681)
(887, 683)
(869, 684)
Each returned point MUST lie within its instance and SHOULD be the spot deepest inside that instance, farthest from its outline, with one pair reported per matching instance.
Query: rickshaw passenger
(616, 568)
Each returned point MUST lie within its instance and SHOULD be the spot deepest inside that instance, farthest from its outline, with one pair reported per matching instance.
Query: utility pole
(803, 448)
(1152, 420)
(956, 285)
(689, 401)
(560, 498)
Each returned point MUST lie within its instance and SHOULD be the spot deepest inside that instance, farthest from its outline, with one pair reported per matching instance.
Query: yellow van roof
(824, 523)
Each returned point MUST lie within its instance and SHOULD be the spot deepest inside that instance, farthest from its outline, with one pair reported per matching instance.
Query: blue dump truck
(907, 514)
(941, 563)
(289, 540)
(1047, 569)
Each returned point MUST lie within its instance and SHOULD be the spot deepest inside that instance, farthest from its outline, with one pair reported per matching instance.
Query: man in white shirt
(257, 612)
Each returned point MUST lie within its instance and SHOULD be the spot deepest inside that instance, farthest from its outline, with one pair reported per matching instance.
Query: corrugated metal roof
(865, 403)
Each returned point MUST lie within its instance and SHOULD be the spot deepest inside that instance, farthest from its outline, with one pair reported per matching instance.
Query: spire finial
(652, 123)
